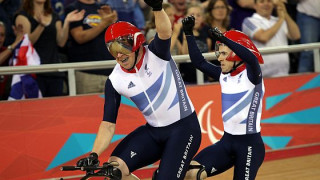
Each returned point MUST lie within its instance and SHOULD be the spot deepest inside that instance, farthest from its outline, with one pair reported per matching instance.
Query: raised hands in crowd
(108, 16)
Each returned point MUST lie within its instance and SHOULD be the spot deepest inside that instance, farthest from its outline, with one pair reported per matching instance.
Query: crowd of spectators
(267, 30)
(73, 31)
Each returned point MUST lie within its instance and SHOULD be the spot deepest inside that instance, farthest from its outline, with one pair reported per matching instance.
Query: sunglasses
(122, 45)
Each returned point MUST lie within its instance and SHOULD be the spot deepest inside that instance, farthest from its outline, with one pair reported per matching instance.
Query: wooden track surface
(297, 168)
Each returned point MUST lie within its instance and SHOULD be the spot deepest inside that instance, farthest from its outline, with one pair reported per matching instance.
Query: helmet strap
(235, 66)
(135, 59)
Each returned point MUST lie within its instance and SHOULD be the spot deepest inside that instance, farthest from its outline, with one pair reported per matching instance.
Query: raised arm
(196, 57)
(293, 29)
(244, 53)
(160, 46)
(82, 36)
(264, 36)
(63, 30)
(4, 55)
(162, 21)
(23, 21)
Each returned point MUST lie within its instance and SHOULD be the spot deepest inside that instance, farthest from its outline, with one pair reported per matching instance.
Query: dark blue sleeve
(200, 62)
(160, 48)
(252, 64)
(111, 103)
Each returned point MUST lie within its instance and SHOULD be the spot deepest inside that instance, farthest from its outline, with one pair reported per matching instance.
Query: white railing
(71, 67)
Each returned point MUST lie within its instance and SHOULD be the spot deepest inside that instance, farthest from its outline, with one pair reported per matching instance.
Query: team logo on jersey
(131, 85)
(213, 170)
(225, 79)
(92, 20)
(132, 154)
(148, 72)
(239, 78)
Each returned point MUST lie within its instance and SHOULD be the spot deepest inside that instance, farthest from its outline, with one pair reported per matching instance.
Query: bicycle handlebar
(89, 168)
(69, 168)
(92, 168)
(104, 170)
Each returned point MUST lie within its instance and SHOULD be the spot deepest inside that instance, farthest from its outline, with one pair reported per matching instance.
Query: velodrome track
(39, 136)
(294, 163)
(303, 164)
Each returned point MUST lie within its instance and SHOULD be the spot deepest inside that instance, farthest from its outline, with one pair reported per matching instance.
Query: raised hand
(155, 4)
(216, 33)
(281, 10)
(108, 16)
(42, 19)
(75, 16)
(91, 160)
(188, 24)
(18, 31)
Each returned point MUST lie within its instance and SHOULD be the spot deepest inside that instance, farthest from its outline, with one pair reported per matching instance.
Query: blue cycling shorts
(174, 145)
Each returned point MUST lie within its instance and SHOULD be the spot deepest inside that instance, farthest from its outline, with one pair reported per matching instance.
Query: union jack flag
(24, 85)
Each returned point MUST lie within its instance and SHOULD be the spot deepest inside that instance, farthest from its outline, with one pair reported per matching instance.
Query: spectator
(5, 54)
(203, 41)
(240, 10)
(46, 33)
(176, 46)
(269, 31)
(7, 10)
(180, 7)
(200, 30)
(218, 15)
(308, 20)
(291, 7)
(128, 10)
(87, 43)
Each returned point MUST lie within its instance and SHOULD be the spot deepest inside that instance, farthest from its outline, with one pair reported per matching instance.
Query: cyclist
(149, 77)
(242, 89)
